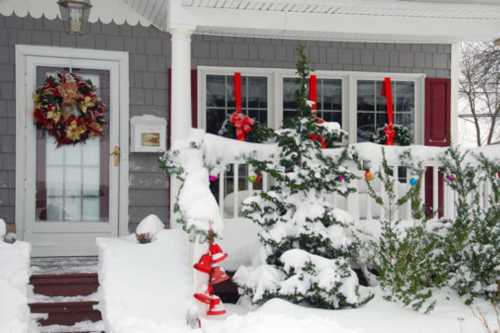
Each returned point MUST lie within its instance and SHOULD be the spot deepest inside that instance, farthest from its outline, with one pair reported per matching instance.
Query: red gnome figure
(209, 264)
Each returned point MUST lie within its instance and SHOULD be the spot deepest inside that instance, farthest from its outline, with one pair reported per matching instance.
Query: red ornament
(205, 297)
(216, 308)
(217, 253)
(204, 265)
(218, 275)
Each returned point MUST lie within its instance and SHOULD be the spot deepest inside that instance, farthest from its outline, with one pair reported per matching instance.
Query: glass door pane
(72, 181)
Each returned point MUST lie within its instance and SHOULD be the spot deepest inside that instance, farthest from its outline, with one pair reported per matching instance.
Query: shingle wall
(431, 59)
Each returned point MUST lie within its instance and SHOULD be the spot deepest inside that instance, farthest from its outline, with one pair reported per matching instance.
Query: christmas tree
(306, 242)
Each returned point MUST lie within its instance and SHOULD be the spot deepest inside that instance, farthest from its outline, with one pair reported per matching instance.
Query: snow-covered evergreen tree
(306, 243)
(473, 239)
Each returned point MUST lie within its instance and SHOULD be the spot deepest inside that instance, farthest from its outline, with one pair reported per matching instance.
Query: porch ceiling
(369, 20)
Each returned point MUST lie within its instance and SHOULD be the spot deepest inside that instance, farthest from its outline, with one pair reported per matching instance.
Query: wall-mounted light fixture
(75, 15)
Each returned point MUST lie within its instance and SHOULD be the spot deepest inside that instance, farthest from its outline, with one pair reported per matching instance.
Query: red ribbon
(237, 91)
(390, 132)
(313, 92)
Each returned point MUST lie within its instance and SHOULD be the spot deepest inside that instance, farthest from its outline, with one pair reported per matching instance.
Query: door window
(72, 181)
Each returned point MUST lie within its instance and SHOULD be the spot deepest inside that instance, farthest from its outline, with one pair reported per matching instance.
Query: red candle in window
(390, 133)
(313, 92)
(237, 91)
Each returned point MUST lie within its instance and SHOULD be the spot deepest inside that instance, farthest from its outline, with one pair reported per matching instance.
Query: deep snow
(14, 278)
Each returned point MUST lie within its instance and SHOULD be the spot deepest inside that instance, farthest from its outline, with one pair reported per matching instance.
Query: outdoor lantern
(75, 15)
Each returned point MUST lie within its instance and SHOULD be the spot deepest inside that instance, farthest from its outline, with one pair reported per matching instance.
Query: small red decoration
(390, 132)
(243, 124)
(68, 108)
(216, 274)
(318, 138)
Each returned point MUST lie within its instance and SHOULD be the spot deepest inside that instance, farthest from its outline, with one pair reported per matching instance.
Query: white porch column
(181, 82)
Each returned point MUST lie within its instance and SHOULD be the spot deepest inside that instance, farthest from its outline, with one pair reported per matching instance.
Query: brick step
(227, 290)
(71, 284)
(66, 313)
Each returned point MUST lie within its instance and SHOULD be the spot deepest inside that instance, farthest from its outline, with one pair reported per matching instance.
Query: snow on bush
(145, 288)
(330, 283)
(14, 279)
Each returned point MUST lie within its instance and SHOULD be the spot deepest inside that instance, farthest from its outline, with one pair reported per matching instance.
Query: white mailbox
(149, 134)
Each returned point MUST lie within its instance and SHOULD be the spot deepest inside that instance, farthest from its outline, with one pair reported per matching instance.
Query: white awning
(119, 11)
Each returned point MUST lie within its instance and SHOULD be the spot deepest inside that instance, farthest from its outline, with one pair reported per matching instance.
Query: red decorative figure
(216, 274)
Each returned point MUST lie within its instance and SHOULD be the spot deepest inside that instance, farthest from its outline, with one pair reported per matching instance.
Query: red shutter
(194, 100)
(437, 130)
(437, 112)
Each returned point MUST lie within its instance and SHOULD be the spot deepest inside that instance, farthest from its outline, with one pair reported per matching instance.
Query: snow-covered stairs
(66, 302)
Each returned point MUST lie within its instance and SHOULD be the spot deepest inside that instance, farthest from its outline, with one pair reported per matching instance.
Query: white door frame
(28, 57)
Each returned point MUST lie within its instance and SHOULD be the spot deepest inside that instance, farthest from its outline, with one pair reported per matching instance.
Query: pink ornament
(451, 178)
(213, 178)
(341, 178)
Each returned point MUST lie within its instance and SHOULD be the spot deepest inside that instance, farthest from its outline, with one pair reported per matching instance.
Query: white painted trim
(349, 96)
(456, 57)
(388, 22)
(117, 63)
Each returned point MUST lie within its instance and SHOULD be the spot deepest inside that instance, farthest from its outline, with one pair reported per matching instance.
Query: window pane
(290, 87)
(366, 98)
(215, 119)
(54, 209)
(331, 94)
(73, 181)
(257, 92)
(216, 91)
(72, 209)
(381, 100)
(366, 126)
(381, 120)
(54, 181)
(90, 209)
(405, 96)
(332, 116)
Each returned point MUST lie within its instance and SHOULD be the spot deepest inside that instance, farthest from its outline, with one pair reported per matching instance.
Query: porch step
(65, 313)
(72, 284)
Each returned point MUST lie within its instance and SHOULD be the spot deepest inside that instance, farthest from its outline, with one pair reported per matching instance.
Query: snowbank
(145, 287)
(451, 315)
(14, 279)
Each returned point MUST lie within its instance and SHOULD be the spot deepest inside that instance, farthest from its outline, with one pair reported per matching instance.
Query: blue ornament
(413, 181)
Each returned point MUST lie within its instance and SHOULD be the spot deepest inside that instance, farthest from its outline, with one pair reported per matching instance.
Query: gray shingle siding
(149, 52)
(430, 59)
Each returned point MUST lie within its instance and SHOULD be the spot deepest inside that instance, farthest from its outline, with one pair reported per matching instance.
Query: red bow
(243, 125)
(318, 138)
(390, 134)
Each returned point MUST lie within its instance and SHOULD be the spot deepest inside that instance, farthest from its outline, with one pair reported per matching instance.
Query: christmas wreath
(402, 138)
(68, 108)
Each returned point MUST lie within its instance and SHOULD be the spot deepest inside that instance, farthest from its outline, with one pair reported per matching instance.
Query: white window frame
(349, 80)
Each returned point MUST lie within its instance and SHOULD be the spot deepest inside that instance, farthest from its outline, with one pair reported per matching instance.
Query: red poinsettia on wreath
(68, 108)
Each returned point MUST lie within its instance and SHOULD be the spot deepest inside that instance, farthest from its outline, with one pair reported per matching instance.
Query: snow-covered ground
(14, 278)
(148, 288)
(145, 287)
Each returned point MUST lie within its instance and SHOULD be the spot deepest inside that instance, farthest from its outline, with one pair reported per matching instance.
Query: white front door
(71, 193)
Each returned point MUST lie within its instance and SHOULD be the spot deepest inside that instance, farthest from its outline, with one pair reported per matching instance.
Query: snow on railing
(236, 180)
